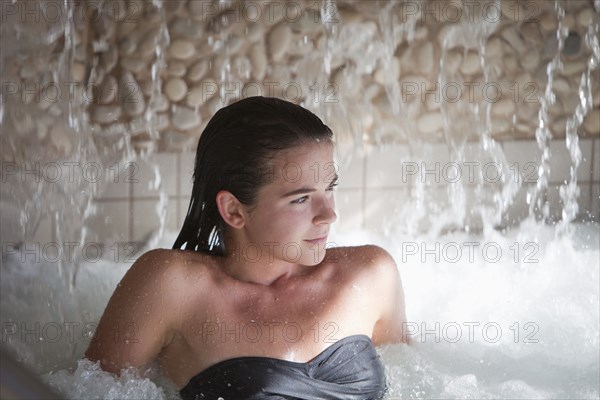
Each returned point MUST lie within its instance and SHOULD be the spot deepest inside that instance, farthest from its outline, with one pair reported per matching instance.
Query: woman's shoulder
(175, 258)
(169, 266)
(369, 258)
(367, 254)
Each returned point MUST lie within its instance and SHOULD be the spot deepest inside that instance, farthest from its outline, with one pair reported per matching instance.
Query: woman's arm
(140, 318)
(389, 298)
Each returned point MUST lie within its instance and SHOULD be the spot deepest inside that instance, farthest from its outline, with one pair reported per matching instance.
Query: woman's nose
(326, 213)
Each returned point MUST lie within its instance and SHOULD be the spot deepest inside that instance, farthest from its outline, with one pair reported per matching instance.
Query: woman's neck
(266, 270)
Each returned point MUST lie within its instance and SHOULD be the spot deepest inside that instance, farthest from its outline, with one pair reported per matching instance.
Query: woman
(254, 306)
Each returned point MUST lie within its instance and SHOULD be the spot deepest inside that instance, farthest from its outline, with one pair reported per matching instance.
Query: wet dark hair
(233, 154)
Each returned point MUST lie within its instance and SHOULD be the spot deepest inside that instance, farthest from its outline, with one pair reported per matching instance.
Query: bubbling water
(481, 323)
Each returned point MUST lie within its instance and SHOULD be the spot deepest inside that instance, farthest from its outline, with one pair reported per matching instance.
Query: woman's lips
(318, 240)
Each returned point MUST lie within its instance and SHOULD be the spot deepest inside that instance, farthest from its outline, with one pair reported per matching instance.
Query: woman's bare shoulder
(363, 255)
(369, 262)
(168, 268)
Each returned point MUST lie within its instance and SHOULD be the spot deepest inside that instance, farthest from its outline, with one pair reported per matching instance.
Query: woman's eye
(300, 200)
(332, 186)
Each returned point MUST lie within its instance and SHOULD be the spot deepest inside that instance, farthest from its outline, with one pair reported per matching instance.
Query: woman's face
(295, 206)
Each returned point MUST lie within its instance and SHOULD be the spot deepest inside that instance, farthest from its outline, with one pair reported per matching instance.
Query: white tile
(384, 166)
(172, 222)
(596, 169)
(184, 203)
(383, 209)
(440, 208)
(523, 156)
(167, 165)
(145, 183)
(584, 172)
(146, 221)
(585, 202)
(518, 210)
(349, 209)
(117, 180)
(475, 166)
(560, 161)
(110, 223)
(479, 204)
(186, 173)
(351, 171)
(433, 164)
(588, 206)
(555, 203)
(595, 202)
(589, 202)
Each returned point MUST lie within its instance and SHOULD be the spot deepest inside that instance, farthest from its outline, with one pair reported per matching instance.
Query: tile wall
(371, 188)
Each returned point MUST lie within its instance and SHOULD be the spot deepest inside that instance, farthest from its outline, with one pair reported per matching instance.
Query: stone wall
(89, 86)
(378, 72)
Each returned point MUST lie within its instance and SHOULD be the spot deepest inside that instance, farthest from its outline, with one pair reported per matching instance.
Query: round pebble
(105, 114)
(197, 71)
(548, 22)
(78, 71)
(503, 107)
(279, 40)
(175, 89)
(585, 17)
(181, 49)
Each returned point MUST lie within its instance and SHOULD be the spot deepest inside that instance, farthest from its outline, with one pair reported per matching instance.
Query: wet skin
(276, 293)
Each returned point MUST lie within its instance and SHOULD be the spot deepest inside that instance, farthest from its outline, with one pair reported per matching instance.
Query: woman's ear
(231, 210)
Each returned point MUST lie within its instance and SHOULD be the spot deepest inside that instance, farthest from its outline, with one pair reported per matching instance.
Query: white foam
(554, 356)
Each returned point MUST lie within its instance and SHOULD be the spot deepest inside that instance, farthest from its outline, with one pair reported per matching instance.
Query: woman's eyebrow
(307, 189)
(299, 191)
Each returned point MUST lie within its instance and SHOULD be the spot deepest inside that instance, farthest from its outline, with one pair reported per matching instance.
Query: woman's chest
(293, 323)
(269, 323)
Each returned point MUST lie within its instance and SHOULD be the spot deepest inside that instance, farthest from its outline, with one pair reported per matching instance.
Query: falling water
(569, 192)
(330, 21)
(536, 195)
(159, 64)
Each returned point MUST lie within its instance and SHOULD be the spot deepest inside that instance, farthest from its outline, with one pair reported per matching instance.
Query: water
(519, 324)
(495, 310)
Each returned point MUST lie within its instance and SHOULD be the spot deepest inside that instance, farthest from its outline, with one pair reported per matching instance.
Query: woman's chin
(315, 253)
